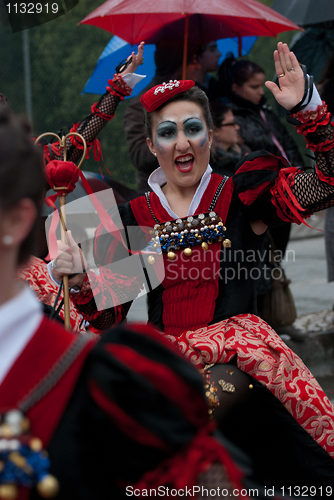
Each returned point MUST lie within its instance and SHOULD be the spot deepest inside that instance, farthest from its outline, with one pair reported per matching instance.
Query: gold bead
(17, 459)
(171, 256)
(220, 238)
(6, 431)
(25, 424)
(151, 259)
(36, 444)
(8, 491)
(227, 243)
(187, 252)
(250, 386)
(205, 246)
(48, 487)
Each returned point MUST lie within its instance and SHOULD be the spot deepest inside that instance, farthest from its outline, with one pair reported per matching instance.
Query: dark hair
(168, 57)
(196, 95)
(21, 170)
(218, 112)
(232, 71)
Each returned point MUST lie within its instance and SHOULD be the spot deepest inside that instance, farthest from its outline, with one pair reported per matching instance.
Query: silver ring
(291, 69)
(54, 264)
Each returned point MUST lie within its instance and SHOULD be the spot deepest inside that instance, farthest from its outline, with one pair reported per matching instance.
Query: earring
(7, 240)
(155, 154)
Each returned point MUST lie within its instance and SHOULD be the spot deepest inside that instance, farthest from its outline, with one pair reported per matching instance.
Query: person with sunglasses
(228, 147)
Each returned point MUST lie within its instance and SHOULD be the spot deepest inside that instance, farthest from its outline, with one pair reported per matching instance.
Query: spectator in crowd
(227, 147)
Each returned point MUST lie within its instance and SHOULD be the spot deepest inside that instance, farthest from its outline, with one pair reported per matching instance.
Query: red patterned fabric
(263, 354)
(98, 288)
(36, 273)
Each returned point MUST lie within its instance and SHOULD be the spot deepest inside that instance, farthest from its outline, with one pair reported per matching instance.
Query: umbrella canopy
(305, 12)
(211, 20)
(313, 48)
(118, 49)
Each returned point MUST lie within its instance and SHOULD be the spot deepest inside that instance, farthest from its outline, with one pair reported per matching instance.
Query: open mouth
(184, 163)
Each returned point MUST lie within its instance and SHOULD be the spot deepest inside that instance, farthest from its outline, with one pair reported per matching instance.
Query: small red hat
(159, 94)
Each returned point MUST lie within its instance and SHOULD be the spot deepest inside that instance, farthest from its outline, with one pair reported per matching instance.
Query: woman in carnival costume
(209, 230)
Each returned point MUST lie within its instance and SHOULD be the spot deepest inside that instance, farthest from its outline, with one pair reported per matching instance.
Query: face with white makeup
(180, 137)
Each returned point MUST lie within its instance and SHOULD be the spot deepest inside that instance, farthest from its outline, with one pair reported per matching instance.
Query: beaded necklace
(183, 234)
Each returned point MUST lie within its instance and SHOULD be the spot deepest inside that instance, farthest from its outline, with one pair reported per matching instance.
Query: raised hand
(136, 60)
(291, 78)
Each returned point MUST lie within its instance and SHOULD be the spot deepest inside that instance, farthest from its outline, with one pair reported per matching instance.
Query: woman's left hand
(136, 60)
(291, 78)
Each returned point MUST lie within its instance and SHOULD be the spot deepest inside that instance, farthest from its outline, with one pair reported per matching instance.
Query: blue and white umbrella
(118, 49)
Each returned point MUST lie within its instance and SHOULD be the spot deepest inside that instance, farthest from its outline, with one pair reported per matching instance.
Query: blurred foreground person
(116, 417)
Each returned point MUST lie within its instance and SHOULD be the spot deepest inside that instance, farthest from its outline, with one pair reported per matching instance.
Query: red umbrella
(200, 21)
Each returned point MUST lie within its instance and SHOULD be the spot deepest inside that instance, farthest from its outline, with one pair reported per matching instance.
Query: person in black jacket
(242, 83)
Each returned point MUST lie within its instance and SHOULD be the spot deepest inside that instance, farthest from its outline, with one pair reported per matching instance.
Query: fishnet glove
(312, 190)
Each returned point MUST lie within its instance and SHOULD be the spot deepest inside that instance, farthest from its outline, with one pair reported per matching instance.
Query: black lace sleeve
(315, 191)
(101, 113)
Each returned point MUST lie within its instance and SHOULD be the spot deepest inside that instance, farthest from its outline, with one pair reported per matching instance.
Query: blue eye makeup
(166, 130)
(193, 127)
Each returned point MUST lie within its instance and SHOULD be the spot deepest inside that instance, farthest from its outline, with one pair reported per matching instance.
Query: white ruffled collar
(158, 179)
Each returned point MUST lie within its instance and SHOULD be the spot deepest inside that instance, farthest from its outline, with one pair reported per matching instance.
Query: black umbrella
(305, 12)
(313, 48)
